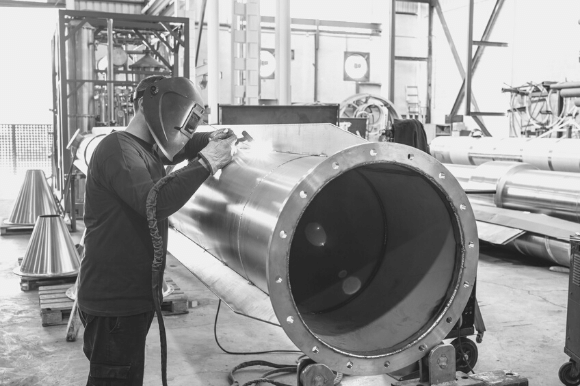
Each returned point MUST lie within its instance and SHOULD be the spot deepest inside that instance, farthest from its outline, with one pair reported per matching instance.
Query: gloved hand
(218, 152)
(220, 134)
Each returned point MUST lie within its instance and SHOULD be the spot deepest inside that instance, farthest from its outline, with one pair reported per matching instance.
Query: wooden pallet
(32, 283)
(176, 303)
(55, 306)
(11, 229)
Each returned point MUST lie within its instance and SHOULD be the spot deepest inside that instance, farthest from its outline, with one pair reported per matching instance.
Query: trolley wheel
(569, 374)
(466, 354)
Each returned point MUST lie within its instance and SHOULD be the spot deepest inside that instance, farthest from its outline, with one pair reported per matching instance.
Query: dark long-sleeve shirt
(115, 278)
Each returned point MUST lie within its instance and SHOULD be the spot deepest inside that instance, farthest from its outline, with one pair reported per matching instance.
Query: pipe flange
(467, 253)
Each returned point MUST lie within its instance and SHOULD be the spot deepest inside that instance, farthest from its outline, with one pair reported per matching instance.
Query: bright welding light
(256, 147)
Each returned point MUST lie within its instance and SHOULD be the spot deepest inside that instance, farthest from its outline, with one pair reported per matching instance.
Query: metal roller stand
(569, 373)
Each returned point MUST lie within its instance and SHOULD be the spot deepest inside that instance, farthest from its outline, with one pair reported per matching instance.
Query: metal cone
(34, 199)
(51, 251)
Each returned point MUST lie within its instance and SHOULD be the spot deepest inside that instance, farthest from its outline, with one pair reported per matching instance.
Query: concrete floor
(522, 302)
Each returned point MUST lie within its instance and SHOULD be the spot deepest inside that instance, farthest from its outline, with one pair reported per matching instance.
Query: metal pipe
(367, 251)
(563, 85)
(81, 65)
(543, 247)
(213, 64)
(523, 187)
(110, 72)
(570, 92)
(283, 51)
(556, 154)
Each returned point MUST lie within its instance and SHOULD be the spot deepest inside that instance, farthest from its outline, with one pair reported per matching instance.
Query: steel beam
(32, 4)
(110, 72)
(458, 63)
(162, 39)
(152, 48)
(200, 32)
(478, 53)
(392, 56)
(412, 58)
(428, 113)
(489, 44)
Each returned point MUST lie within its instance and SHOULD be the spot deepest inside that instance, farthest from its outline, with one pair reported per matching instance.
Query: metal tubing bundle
(523, 187)
(556, 154)
(368, 251)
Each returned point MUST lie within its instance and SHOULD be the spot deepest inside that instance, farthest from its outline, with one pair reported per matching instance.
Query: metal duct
(543, 247)
(80, 67)
(368, 251)
(556, 154)
(86, 149)
(523, 187)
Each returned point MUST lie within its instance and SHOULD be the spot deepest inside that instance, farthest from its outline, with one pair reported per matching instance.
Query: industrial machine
(98, 59)
(379, 112)
(366, 280)
(570, 371)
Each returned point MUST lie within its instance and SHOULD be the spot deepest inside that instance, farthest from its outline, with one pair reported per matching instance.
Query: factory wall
(331, 86)
(544, 44)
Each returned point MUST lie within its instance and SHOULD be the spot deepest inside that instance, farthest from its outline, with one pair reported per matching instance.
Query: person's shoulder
(117, 142)
(115, 146)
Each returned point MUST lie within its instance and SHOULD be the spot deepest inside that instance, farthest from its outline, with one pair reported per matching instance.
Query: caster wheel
(466, 354)
(569, 374)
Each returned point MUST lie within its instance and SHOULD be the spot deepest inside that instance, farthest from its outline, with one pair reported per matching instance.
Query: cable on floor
(243, 352)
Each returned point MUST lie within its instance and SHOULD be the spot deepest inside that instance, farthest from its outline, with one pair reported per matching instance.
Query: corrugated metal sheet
(107, 6)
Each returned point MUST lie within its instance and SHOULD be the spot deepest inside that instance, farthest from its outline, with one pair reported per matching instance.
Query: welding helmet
(172, 108)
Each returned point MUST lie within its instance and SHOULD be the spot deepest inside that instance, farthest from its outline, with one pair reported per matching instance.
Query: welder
(114, 296)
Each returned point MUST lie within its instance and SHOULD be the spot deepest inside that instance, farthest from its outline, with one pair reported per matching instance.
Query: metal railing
(25, 146)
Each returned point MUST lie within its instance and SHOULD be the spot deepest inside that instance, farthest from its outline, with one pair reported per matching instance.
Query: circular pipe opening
(373, 260)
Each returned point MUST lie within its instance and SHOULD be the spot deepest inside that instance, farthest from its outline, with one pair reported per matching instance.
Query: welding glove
(218, 152)
(220, 134)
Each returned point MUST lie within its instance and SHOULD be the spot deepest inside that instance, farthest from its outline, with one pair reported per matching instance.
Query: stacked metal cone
(51, 251)
(34, 199)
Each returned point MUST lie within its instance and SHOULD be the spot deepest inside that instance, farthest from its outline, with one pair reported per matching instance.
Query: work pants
(115, 347)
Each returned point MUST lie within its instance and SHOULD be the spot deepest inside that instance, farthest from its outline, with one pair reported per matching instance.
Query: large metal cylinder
(523, 187)
(368, 251)
(368, 255)
(556, 154)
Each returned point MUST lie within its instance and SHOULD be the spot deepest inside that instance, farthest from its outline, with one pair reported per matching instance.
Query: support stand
(437, 368)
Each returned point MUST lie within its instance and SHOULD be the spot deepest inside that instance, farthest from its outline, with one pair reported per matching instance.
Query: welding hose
(157, 267)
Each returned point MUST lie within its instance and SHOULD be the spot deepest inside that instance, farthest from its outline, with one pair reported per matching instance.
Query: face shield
(172, 108)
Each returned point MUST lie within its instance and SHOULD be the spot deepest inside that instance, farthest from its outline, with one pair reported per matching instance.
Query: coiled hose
(157, 267)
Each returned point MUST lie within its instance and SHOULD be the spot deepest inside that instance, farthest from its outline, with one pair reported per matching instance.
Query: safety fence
(24, 147)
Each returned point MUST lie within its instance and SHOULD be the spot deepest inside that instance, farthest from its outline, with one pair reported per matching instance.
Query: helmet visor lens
(193, 119)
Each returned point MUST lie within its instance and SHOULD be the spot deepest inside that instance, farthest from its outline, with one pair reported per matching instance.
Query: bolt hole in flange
(375, 243)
